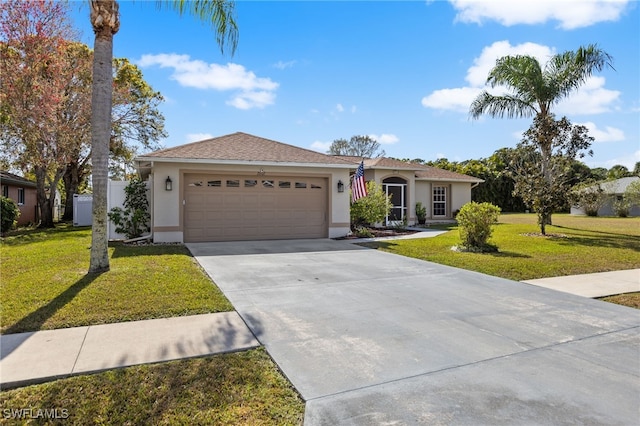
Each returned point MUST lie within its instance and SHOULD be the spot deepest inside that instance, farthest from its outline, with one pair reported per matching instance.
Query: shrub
(370, 209)
(421, 211)
(621, 207)
(133, 220)
(9, 214)
(589, 196)
(474, 223)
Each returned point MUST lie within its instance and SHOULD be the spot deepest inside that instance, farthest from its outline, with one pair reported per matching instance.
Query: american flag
(358, 187)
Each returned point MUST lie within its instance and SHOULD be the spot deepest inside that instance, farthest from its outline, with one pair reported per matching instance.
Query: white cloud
(609, 134)
(195, 137)
(284, 65)
(252, 99)
(591, 98)
(321, 146)
(256, 92)
(629, 161)
(353, 109)
(385, 138)
(339, 108)
(569, 14)
(451, 99)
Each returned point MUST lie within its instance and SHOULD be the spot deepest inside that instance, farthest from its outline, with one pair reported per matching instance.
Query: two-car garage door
(233, 208)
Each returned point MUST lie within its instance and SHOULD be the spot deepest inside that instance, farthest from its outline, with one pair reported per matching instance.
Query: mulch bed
(380, 232)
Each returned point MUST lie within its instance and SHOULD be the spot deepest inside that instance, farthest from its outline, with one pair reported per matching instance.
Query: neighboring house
(23, 192)
(243, 187)
(615, 189)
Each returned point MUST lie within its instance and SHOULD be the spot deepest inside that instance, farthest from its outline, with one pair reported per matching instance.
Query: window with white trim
(20, 196)
(439, 201)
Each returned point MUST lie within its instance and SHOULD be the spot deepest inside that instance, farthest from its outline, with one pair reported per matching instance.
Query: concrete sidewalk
(45, 355)
(593, 285)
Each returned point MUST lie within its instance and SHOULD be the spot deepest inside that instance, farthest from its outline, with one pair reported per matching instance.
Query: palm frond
(219, 13)
(567, 71)
(509, 106)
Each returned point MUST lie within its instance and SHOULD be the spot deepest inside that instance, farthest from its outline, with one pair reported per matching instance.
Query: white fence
(115, 198)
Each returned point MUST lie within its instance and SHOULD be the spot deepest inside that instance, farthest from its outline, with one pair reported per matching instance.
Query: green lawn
(44, 282)
(580, 245)
(230, 389)
(44, 285)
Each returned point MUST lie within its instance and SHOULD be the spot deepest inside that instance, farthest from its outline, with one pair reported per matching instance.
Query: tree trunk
(74, 175)
(104, 19)
(46, 213)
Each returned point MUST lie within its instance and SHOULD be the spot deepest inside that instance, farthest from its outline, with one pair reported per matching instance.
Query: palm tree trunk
(105, 22)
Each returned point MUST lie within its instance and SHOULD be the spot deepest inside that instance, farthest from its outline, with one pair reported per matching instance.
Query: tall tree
(36, 76)
(534, 90)
(359, 146)
(106, 22)
(543, 183)
(135, 121)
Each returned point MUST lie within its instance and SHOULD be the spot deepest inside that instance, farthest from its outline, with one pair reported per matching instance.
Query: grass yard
(44, 282)
(230, 389)
(581, 245)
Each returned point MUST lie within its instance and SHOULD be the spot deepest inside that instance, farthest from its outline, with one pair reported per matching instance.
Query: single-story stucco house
(615, 190)
(23, 192)
(244, 187)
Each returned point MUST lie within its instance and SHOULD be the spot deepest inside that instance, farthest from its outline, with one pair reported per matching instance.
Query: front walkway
(593, 285)
(45, 355)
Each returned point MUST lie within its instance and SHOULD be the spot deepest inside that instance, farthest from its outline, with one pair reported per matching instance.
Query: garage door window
(250, 183)
(233, 183)
(216, 183)
(284, 184)
(198, 183)
(267, 183)
(313, 186)
(301, 184)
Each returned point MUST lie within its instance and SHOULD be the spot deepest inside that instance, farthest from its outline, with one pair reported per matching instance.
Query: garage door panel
(222, 208)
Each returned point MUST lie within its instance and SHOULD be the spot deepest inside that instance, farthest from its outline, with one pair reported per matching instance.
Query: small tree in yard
(370, 209)
(474, 223)
(133, 220)
(589, 196)
(9, 214)
(630, 198)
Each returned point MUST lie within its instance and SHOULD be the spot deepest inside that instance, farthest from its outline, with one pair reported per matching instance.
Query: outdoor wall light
(168, 184)
(340, 186)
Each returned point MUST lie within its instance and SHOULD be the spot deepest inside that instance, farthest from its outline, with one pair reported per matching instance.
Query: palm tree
(533, 91)
(106, 22)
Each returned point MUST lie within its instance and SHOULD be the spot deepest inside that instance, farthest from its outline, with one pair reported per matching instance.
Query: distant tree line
(499, 184)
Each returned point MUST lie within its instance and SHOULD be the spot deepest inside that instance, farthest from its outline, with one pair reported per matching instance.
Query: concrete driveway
(369, 337)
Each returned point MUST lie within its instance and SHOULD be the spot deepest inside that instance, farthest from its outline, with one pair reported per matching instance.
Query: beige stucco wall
(460, 195)
(167, 205)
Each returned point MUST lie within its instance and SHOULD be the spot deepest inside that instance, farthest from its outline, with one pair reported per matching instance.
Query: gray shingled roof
(244, 147)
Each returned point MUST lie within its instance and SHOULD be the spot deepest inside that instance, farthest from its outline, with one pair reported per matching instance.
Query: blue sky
(307, 73)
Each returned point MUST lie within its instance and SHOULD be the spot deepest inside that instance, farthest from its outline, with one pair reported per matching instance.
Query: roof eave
(471, 180)
(241, 162)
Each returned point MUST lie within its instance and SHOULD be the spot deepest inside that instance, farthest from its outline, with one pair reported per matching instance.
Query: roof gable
(244, 147)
